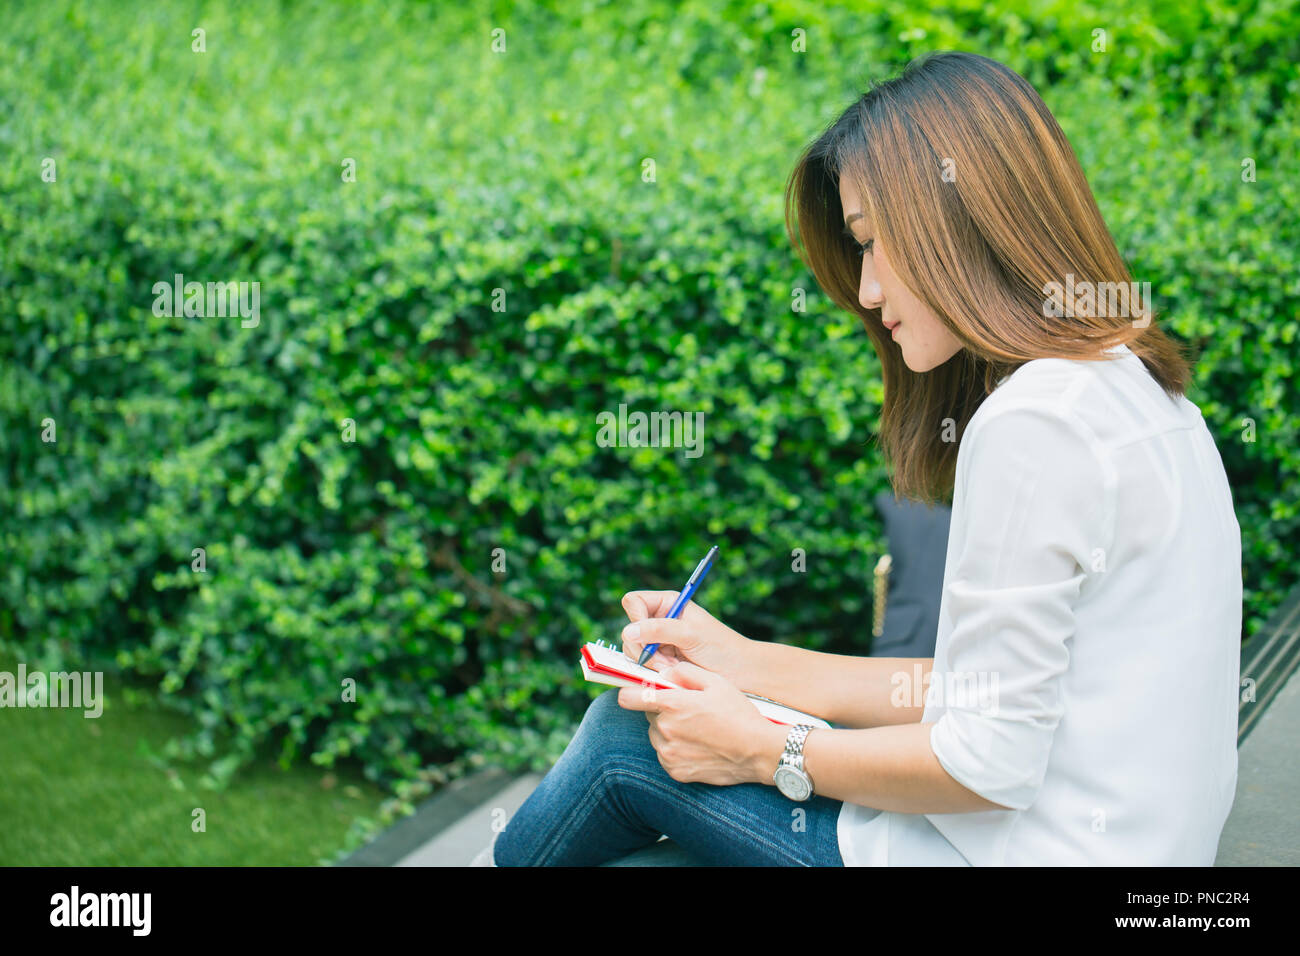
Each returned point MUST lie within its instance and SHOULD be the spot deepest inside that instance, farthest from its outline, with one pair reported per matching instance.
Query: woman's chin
(924, 362)
(915, 363)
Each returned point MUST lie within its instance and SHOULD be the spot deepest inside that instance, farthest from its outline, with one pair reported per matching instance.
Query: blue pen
(692, 586)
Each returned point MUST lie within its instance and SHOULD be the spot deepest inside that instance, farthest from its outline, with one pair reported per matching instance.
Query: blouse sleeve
(1036, 516)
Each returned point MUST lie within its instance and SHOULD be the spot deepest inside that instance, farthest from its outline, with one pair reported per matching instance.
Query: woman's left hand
(707, 733)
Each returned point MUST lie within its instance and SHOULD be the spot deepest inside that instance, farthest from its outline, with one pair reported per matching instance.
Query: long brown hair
(982, 205)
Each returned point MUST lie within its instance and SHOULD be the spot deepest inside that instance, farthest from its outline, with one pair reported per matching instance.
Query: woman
(1080, 707)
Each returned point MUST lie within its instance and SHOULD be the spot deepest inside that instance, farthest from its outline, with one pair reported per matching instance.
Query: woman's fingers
(672, 636)
(678, 638)
(662, 631)
(634, 604)
(643, 604)
(662, 659)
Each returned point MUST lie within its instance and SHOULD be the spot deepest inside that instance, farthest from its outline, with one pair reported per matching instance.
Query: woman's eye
(865, 247)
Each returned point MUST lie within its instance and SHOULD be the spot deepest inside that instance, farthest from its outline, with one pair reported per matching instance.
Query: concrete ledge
(1269, 659)
(460, 842)
(435, 816)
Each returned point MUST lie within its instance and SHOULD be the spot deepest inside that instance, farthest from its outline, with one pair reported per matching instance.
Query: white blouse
(1088, 653)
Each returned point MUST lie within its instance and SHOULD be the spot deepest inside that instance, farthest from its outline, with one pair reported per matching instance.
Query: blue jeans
(608, 796)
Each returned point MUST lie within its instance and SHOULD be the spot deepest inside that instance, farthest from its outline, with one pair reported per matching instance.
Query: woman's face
(925, 341)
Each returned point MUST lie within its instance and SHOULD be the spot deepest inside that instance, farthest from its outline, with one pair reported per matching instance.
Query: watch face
(792, 783)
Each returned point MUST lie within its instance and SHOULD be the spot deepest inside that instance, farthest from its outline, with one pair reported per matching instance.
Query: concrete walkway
(1263, 828)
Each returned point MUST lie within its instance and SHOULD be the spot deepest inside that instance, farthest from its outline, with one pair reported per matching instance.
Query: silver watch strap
(792, 755)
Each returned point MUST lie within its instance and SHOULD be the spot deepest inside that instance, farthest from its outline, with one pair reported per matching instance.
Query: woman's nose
(870, 294)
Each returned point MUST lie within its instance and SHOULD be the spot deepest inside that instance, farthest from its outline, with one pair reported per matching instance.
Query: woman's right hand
(697, 636)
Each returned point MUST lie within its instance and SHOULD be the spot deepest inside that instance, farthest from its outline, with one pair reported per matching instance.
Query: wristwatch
(790, 777)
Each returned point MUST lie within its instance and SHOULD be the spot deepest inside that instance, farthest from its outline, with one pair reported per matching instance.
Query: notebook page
(618, 661)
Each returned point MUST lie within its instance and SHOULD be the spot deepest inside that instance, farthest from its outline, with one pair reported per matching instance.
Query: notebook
(606, 665)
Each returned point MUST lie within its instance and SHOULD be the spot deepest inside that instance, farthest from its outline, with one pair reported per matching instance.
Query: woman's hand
(697, 636)
(708, 732)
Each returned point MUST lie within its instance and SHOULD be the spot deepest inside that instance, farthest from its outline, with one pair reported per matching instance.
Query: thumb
(692, 676)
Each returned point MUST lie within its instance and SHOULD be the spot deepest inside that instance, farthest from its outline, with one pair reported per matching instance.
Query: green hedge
(476, 429)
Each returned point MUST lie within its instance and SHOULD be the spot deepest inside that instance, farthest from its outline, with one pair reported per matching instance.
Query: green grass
(78, 791)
